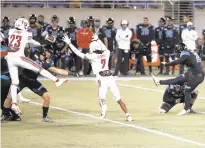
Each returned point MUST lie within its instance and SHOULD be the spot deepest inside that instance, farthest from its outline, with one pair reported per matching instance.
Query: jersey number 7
(103, 62)
(15, 42)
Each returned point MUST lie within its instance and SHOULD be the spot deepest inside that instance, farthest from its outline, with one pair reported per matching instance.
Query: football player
(5, 28)
(28, 78)
(174, 94)
(193, 77)
(99, 56)
(19, 37)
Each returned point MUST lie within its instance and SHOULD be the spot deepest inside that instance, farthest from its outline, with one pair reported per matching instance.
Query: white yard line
(128, 125)
(149, 89)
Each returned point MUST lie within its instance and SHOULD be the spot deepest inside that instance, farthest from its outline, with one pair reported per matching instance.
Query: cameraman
(137, 51)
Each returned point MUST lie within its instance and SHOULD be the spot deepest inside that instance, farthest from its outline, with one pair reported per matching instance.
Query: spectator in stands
(123, 38)
(51, 31)
(71, 31)
(5, 26)
(43, 24)
(35, 28)
(160, 42)
(170, 39)
(84, 37)
(201, 48)
(145, 33)
(189, 37)
(110, 32)
(183, 26)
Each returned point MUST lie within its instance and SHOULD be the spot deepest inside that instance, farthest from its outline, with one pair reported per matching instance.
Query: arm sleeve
(178, 61)
(76, 51)
(102, 45)
(117, 37)
(33, 42)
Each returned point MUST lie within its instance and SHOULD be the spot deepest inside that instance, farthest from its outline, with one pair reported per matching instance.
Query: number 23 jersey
(18, 40)
(99, 62)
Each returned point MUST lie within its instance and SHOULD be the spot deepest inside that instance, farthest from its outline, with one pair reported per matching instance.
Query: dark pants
(167, 56)
(192, 81)
(110, 63)
(161, 58)
(148, 54)
(140, 64)
(78, 63)
(122, 65)
(85, 63)
(5, 86)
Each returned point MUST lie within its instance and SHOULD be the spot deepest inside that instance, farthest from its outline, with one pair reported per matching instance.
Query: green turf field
(74, 130)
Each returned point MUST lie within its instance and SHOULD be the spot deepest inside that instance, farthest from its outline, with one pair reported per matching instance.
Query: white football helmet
(95, 45)
(22, 24)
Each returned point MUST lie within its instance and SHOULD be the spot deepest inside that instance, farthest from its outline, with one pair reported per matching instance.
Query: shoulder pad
(185, 53)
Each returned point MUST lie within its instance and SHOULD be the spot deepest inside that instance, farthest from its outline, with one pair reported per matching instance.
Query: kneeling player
(99, 56)
(174, 94)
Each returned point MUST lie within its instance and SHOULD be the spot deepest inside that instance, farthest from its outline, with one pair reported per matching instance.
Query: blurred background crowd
(134, 60)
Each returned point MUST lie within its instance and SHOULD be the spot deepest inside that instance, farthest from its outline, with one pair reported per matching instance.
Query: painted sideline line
(144, 88)
(127, 125)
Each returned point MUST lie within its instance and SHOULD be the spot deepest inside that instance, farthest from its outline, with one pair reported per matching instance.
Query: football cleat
(155, 80)
(16, 109)
(47, 119)
(184, 112)
(59, 82)
(129, 118)
(103, 115)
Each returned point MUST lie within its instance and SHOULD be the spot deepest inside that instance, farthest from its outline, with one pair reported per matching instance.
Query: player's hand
(163, 63)
(66, 39)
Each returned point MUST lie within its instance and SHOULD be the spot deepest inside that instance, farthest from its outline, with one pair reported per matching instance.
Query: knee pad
(165, 107)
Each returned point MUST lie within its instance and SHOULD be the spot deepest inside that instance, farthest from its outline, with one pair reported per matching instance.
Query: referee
(123, 38)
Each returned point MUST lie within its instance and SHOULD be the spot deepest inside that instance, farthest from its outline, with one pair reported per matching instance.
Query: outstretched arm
(59, 71)
(73, 48)
(178, 61)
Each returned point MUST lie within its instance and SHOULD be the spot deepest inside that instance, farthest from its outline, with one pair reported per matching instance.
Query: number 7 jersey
(99, 62)
(18, 40)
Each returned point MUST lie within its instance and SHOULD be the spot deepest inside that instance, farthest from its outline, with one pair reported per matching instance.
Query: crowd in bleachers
(136, 4)
(166, 35)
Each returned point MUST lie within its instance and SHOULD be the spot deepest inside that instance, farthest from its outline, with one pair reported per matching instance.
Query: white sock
(47, 74)
(127, 114)
(14, 93)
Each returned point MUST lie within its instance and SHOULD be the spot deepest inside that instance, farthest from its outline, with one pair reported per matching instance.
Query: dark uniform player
(193, 77)
(145, 33)
(110, 32)
(203, 33)
(60, 49)
(159, 41)
(35, 28)
(71, 31)
(5, 26)
(43, 24)
(28, 78)
(51, 31)
(170, 39)
(174, 94)
(7, 113)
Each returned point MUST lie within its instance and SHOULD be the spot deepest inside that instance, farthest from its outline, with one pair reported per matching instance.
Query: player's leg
(166, 60)
(149, 59)
(168, 103)
(161, 57)
(119, 61)
(102, 91)
(173, 67)
(41, 91)
(117, 97)
(27, 63)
